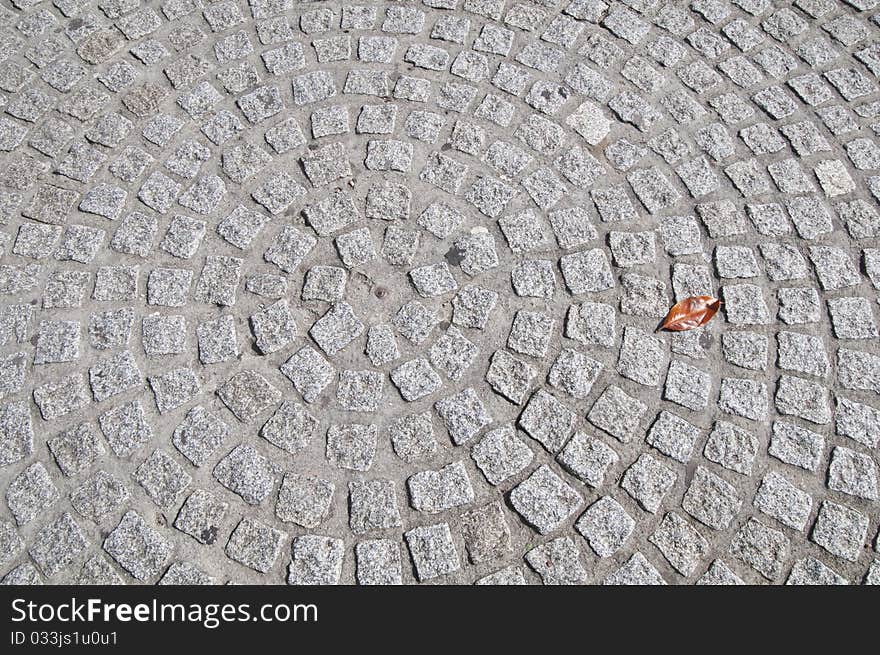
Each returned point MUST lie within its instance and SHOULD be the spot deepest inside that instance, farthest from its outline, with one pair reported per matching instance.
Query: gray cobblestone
(202, 215)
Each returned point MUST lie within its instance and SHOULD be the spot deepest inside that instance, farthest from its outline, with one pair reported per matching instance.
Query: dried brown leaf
(690, 313)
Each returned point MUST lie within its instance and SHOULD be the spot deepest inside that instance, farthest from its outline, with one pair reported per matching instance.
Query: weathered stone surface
(370, 293)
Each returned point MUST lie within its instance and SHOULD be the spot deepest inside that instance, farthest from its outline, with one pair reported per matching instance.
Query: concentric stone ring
(325, 292)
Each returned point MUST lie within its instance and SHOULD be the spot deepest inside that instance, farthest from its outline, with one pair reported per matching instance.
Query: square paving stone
(544, 500)
(807, 400)
(511, 575)
(476, 253)
(399, 245)
(719, 574)
(352, 446)
(336, 329)
(98, 571)
(325, 283)
(591, 323)
(35, 241)
(304, 500)
(642, 357)
(631, 248)
(588, 458)
(168, 287)
(636, 571)
(273, 327)
(810, 571)
(183, 236)
(80, 243)
(852, 318)
(761, 547)
(680, 235)
(834, 268)
(199, 435)
(673, 436)
(185, 574)
(574, 373)
(412, 437)
(745, 349)
(61, 398)
(244, 471)
(433, 551)
(309, 372)
(743, 397)
(162, 478)
(795, 445)
(680, 543)
(687, 386)
(572, 227)
(316, 560)
(381, 345)
(711, 500)
(648, 481)
(126, 428)
(840, 530)
(731, 447)
(440, 219)
(802, 352)
(415, 379)
(852, 473)
(138, 548)
(463, 414)
(289, 248)
(12, 373)
(437, 491)
(524, 231)
(163, 334)
(201, 516)
(472, 306)
(255, 545)
(857, 369)
(217, 340)
(360, 391)
(486, 533)
(218, 281)
(617, 413)
(500, 455)
(242, 226)
(65, 289)
(745, 305)
(110, 329)
(779, 498)
(248, 394)
(76, 449)
(57, 342)
(587, 271)
(57, 545)
(509, 376)
(547, 420)
(736, 262)
(433, 280)
(30, 493)
(558, 562)
(453, 353)
(606, 526)
(372, 506)
(721, 218)
(378, 562)
(290, 428)
(857, 421)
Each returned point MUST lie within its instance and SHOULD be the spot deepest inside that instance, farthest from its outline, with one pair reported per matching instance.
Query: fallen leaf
(691, 313)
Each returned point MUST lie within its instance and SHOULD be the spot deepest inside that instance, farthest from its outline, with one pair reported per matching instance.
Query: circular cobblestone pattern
(317, 292)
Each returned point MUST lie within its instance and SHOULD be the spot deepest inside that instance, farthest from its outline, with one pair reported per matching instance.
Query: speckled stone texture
(315, 292)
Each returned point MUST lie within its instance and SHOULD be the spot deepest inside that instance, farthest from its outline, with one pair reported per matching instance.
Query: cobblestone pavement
(316, 292)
